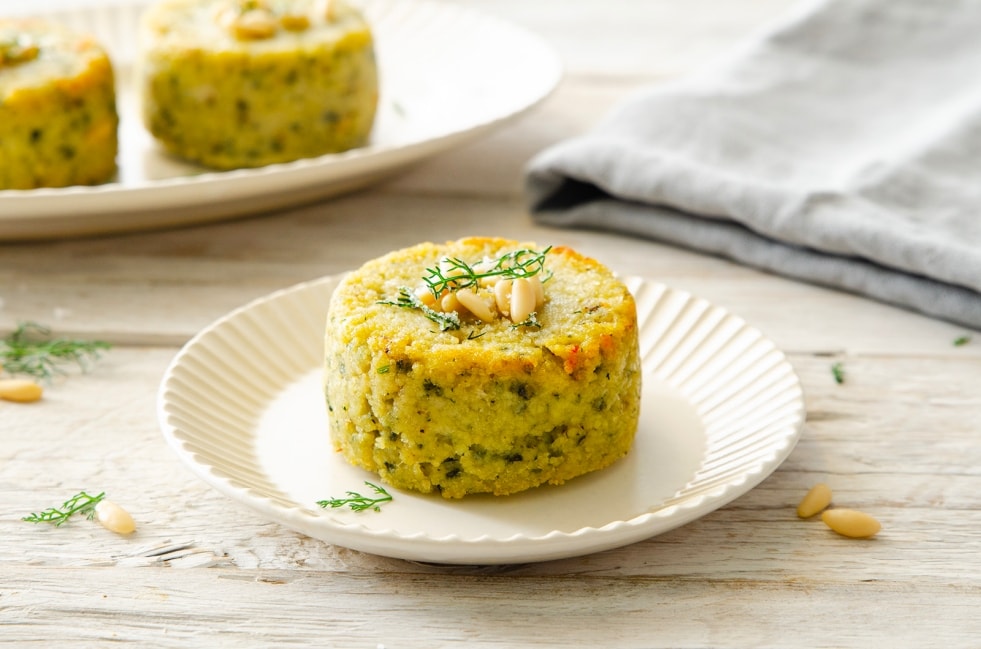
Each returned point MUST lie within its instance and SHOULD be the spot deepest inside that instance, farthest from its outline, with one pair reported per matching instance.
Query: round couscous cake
(246, 83)
(482, 366)
(58, 117)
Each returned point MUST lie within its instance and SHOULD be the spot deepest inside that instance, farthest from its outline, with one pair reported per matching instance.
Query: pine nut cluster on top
(510, 286)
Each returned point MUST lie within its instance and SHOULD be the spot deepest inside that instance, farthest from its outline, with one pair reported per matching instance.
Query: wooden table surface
(898, 439)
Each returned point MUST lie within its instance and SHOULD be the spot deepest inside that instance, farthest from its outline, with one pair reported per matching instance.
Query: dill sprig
(31, 350)
(454, 274)
(459, 274)
(961, 341)
(838, 372)
(81, 503)
(531, 321)
(408, 300)
(357, 502)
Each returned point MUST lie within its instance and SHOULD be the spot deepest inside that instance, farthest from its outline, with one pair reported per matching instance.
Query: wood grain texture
(281, 608)
(898, 439)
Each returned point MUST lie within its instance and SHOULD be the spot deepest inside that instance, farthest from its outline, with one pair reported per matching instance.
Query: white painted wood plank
(277, 608)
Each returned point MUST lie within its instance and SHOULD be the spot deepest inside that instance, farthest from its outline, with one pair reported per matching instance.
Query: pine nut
(486, 265)
(502, 297)
(20, 390)
(449, 269)
(114, 518)
(536, 283)
(20, 49)
(482, 266)
(294, 22)
(851, 523)
(426, 296)
(815, 502)
(255, 24)
(474, 304)
(450, 303)
(522, 300)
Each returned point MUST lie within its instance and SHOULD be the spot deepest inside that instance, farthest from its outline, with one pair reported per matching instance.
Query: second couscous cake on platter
(482, 365)
(58, 119)
(246, 83)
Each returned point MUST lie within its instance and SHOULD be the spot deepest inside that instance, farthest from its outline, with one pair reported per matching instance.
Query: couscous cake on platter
(58, 119)
(246, 83)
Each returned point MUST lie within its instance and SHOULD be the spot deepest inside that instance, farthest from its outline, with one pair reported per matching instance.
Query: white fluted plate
(242, 406)
(448, 74)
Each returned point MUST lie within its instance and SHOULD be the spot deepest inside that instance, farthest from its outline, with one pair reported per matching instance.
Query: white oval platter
(445, 79)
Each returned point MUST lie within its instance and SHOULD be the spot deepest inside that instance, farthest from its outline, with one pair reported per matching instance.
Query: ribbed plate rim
(669, 514)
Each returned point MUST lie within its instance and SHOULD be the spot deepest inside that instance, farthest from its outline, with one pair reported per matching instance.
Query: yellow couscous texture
(245, 83)
(489, 407)
(58, 120)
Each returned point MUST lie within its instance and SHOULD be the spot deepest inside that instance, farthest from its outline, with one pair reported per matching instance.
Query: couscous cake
(58, 119)
(246, 83)
(482, 366)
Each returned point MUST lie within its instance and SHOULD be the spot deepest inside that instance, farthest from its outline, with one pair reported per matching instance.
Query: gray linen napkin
(842, 146)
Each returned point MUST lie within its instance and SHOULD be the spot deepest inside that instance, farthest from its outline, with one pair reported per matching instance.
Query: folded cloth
(841, 146)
